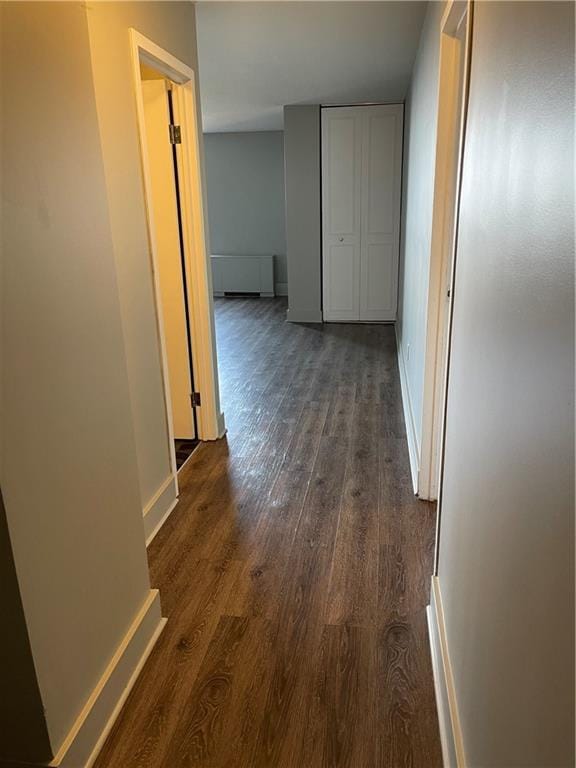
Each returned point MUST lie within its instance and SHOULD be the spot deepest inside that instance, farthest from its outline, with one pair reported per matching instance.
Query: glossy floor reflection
(295, 569)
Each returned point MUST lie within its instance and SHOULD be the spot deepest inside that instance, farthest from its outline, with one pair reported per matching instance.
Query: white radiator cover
(242, 274)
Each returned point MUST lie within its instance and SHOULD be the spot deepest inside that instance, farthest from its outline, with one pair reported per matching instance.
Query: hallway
(295, 569)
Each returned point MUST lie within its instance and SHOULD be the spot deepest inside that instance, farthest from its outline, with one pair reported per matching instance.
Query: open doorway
(173, 306)
(167, 116)
(452, 102)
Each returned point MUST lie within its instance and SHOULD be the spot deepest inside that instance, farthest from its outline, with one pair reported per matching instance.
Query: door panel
(165, 217)
(341, 189)
(378, 270)
(341, 180)
(342, 280)
(379, 148)
(381, 187)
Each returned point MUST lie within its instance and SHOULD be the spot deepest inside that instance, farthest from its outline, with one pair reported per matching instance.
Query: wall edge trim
(304, 316)
(453, 754)
(408, 415)
(158, 509)
(281, 289)
(161, 522)
(92, 726)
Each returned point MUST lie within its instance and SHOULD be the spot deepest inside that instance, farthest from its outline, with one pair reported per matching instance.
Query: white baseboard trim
(304, 316)
(408, 416)
(281, 289)
(159, 507)
(450, 731)
(89, 732)
(221, 425)
(150, 537)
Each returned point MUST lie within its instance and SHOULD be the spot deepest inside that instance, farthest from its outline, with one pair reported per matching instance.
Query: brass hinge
(195, 398)
(175, 134)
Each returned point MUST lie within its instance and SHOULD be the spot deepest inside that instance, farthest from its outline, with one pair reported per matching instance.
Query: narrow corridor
(295, 569)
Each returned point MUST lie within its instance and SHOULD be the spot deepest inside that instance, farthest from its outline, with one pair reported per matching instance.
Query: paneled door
(361, 187)
(341, 212)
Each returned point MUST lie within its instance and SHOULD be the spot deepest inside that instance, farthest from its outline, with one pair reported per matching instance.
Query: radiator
(252, 275)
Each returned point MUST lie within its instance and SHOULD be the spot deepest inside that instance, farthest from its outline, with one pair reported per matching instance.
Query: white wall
(69, 472)
(255, 57)
(506, 566)
(245, 180)
(420, 119)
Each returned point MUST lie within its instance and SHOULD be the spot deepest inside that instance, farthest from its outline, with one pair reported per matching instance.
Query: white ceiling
(255, 57)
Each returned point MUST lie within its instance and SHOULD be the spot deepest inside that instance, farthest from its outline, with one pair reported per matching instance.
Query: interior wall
(420, 118)
(506, 567)
(246, 208)
(171, 25)
(69, 472)
(303, 215)
(255, 57)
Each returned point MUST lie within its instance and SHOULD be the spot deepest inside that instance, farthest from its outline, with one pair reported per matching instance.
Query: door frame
(198, 279)
(454, 69)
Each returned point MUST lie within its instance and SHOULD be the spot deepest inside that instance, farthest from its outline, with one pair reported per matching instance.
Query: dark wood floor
(295, 569)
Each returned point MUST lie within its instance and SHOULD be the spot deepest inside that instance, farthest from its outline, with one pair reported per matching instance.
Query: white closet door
(381, 192)
(361, 187)
(341, 213)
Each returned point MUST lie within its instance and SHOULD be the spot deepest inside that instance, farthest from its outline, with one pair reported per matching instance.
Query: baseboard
(221, 425)
(408, 417)
(89, 732)
(304, 316)
(159, 507)
(281, 289)
(449, 722)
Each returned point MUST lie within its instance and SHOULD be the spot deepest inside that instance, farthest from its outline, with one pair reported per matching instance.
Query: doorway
(170, 144)
(455, 35)
(161, 138)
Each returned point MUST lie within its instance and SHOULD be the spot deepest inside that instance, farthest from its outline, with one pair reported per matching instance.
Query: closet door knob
(341, 239)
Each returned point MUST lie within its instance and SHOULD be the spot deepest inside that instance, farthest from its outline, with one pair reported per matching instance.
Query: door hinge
(195, 398)
(175, 134)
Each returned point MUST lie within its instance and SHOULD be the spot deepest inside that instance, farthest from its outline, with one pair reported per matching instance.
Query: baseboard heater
(242, 275)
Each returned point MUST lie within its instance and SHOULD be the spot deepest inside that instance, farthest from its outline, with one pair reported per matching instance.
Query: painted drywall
(303, 221)
(246, 210)
(69, 471)
(172, 26)
(255, 57)
(507, 527)
(421, 112)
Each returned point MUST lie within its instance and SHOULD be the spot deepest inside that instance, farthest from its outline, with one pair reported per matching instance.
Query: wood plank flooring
(295, 569)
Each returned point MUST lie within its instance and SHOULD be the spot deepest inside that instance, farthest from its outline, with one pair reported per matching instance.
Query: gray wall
(418, 194)
(73, 506)
(303, 223)
(245, 179)
(84, 438)
(507, 528)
